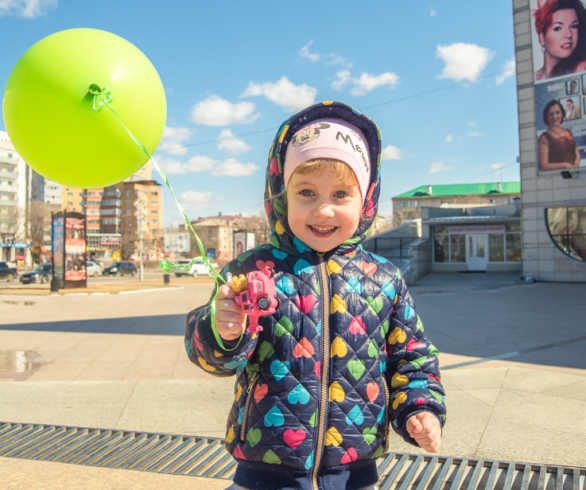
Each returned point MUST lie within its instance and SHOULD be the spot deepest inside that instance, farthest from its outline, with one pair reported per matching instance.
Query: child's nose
(323, 210)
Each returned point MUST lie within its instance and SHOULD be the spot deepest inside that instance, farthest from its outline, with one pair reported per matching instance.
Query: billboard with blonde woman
(559, 58)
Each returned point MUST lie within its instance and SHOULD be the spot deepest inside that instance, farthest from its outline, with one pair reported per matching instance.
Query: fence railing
(391, 248)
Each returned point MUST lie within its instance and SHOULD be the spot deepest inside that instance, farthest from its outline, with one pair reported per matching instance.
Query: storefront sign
(110, 240)
(476, 229)
(57, 248)
(177, 242)
(75, 247)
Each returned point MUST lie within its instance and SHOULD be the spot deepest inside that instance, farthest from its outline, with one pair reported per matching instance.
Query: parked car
(120, 269)
(92, 269)
(41, 274)
(8, 272)
(198, 268)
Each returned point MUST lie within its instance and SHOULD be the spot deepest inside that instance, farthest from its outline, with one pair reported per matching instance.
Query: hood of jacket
(275, 199)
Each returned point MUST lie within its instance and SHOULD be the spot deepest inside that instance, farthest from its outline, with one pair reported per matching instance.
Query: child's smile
(323, 212)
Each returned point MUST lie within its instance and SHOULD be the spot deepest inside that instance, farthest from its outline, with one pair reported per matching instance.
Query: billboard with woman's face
(559, 60)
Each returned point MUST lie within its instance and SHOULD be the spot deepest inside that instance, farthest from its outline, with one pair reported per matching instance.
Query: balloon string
(165, 264)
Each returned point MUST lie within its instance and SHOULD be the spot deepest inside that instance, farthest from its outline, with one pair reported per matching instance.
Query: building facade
(141, 216)
(407, 206)
(13, 192)
(553, 193)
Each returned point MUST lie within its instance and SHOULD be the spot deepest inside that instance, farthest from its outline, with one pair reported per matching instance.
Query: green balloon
(49, 109)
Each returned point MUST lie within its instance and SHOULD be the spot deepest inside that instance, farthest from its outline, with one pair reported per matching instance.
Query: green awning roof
(462, 190)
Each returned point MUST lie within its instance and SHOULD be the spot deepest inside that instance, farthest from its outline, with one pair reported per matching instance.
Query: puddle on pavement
(18, 361)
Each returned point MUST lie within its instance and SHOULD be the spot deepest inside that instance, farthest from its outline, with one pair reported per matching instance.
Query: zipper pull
(252, 382)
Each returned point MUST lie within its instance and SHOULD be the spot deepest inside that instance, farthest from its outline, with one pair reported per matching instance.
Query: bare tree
(39, 222)
(12, 227)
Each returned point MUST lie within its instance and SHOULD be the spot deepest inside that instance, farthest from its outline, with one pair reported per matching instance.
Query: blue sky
(232, 68)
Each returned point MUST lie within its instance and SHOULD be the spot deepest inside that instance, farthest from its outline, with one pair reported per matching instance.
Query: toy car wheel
(263, 302)
(278, 304)
(177, 275)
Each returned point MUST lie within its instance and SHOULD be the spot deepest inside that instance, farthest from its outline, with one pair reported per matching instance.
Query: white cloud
(439, 167)
(228, 142)
(342, 78)
(498, 168)
(29, 9)
(233, 168)
(195, 164)
(474, 134)
(472, 124)
(433, 12)
(508, 71)
(196, 201)
(215, 111)
(392, 153)
(304, 53)
(365, 83)
(172, 139)
(463, 61)
(284, 93)
(339, 60)
(448, 138)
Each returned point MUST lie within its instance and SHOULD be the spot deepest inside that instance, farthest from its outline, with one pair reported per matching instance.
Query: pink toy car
(259, 299)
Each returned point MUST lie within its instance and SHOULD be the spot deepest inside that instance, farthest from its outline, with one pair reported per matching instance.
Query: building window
(154, 203)
(128, 193)
(154, 193)
(10, 155)
(70, 194)
(567, 229)
(441, 248)
(457, 248)
(446, 201)
(70, 204)
(154, 222)
(493, 201)
(154, 211)
(496, 247)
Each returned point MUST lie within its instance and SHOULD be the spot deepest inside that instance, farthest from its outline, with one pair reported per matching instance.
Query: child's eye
(306, 193)
(340, 194)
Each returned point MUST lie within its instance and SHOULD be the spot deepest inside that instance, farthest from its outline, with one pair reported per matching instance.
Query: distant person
(572, 112)
(561, 29)
(239, 248)
(573, 87)
(344, 361)
(557, 147)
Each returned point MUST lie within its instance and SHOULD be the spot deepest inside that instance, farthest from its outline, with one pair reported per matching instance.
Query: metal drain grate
(207, 457)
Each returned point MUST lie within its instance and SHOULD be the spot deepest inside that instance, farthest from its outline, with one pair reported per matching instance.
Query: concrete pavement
(119, 362)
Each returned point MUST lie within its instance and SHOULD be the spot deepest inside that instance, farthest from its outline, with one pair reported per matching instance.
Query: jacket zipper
(324, 370)
(249, 397)
(386, 426)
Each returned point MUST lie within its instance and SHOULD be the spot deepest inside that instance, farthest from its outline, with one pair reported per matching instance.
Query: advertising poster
(177, 242)
(75, 249)
(558, 37)
(239, 243)
(250, 240)
(58, 243)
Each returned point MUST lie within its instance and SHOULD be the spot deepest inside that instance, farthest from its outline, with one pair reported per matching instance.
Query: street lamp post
(140, 214)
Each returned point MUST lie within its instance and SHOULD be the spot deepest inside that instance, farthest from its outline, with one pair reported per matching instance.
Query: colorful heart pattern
(285, 285)
(274, 418)
(279, 369)
(353, 286)
(293, 439)
(303, 349)
(357, 326)
(260, 392)
(306, 303)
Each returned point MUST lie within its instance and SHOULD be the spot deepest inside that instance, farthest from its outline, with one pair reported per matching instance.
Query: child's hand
(230, 320)
(426, 430)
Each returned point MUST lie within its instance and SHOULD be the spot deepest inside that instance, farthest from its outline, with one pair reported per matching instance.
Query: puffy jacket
(342, 361)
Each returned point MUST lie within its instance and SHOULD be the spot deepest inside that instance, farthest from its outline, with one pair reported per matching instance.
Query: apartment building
(141, 214)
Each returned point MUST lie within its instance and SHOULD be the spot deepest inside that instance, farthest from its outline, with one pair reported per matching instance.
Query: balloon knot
(101, 96)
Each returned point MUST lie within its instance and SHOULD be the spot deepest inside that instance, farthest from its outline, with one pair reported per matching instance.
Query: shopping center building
(553, 186)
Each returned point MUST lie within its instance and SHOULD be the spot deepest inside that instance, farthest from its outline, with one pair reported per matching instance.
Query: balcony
(9, 175)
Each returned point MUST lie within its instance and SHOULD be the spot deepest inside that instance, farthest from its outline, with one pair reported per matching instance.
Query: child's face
(322, 212)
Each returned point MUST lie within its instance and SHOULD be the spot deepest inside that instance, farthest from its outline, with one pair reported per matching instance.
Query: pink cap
(330, 138)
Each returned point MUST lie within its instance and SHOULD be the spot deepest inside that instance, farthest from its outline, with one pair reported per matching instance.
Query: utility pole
(140, 213)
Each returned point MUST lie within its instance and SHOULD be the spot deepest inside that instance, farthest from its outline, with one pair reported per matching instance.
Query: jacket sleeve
(412, 365)
(204, 350)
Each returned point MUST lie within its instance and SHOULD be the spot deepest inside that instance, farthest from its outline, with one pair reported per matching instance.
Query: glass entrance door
(477, 252)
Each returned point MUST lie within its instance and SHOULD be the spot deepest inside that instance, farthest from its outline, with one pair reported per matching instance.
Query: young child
(344, 358)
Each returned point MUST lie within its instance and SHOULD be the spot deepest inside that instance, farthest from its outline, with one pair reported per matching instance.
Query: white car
(92, 269)
(198, 268)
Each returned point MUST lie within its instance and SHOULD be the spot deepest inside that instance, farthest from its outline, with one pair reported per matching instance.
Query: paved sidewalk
(118, 362)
